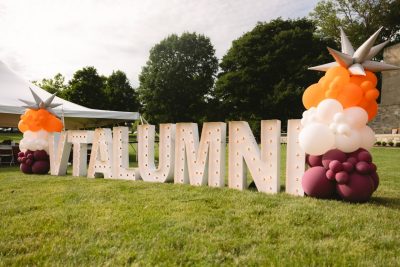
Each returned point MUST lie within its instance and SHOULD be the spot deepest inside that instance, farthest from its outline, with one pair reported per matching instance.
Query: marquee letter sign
(101, 157)
(295, 160)
(184, 157)
(80, 141)
(120, 156)
(165, 171)
(200, 163)
(59, 150)
(263, 165)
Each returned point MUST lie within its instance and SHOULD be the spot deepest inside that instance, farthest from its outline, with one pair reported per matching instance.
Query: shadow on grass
(389, 202)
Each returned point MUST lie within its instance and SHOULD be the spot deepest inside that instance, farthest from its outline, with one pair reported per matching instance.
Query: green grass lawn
(69, 221)
(11, 136)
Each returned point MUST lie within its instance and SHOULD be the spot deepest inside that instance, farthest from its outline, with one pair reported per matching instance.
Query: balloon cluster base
(36, 162)
(350, 177)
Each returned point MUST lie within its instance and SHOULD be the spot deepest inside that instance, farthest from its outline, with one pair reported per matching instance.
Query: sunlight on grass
(48, 220)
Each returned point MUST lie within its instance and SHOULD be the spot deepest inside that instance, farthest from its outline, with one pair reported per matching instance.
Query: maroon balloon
(40, 155)
(29, 156)
(363, 167)
(373, 167)
(330, 175)
(335, 166)
(316, 184)
(334, 154)
(352, 160)
(348, 167)
(355, 153)
(314, 161)
(358, 189)
(28, 162)
(41, 167)
(364, 156)
(21, 154)
(375, 179)
(25, 168)
(342, 177)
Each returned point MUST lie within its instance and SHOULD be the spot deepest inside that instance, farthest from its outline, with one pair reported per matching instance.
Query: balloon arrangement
(335, 135)
(36, 123)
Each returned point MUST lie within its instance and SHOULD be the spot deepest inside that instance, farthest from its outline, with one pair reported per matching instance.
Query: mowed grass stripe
(48, 220)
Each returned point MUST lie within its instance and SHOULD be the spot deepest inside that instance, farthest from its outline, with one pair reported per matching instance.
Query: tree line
(92, 90)
(262, 75)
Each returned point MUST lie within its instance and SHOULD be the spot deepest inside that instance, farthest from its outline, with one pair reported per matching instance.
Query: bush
(398, 144)
(390, 143)
(378, 143)
(383, 143)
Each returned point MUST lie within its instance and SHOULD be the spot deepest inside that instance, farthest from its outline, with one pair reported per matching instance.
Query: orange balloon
(313, 95)
(371, 95)
(367, 85)
(349, 90)
(357, 79)
(22, 126)
(364, 103)
(339, 71)
(372, 110)
(53, 125)
(323, 83)
(350, 96)
(370, 76)
(331, 94)
(336, 84)
(35, 120)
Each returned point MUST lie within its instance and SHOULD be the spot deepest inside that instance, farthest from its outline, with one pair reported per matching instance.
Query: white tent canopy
(13, 87)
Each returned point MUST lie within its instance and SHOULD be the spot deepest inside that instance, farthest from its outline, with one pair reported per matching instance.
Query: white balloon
(34, 144)
(356, 116)
(316, 139)
(347, 127)
(42, 134)
(327, 109)
(348, 142)
(343, 128)
(22, 145)
(333, 127)
(339, 118)
(309, 116)
(312, 109)
(367, 137)
(29, 135)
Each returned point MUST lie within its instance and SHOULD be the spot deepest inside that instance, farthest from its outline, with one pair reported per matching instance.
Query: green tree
(359, 18)
(53, 85)
(119, 93)
(177, 79)
(87, 88)
(264, 73)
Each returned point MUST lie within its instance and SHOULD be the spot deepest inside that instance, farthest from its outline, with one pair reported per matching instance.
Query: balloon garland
(335, 134)
(36, 123)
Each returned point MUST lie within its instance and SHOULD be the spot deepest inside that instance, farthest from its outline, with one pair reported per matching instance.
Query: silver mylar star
(39, 103)
(356, 62)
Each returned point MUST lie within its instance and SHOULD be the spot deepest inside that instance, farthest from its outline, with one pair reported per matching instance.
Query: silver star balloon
(357, 61)
(40, 104)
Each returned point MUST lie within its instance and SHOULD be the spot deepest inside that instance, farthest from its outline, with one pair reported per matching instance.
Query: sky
(40, 38)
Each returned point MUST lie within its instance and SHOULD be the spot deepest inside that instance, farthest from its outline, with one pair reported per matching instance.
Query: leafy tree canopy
(53, 85)
(177, 79)
(119, 93)
(87, 88)
(359, 18)
(264, 73)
